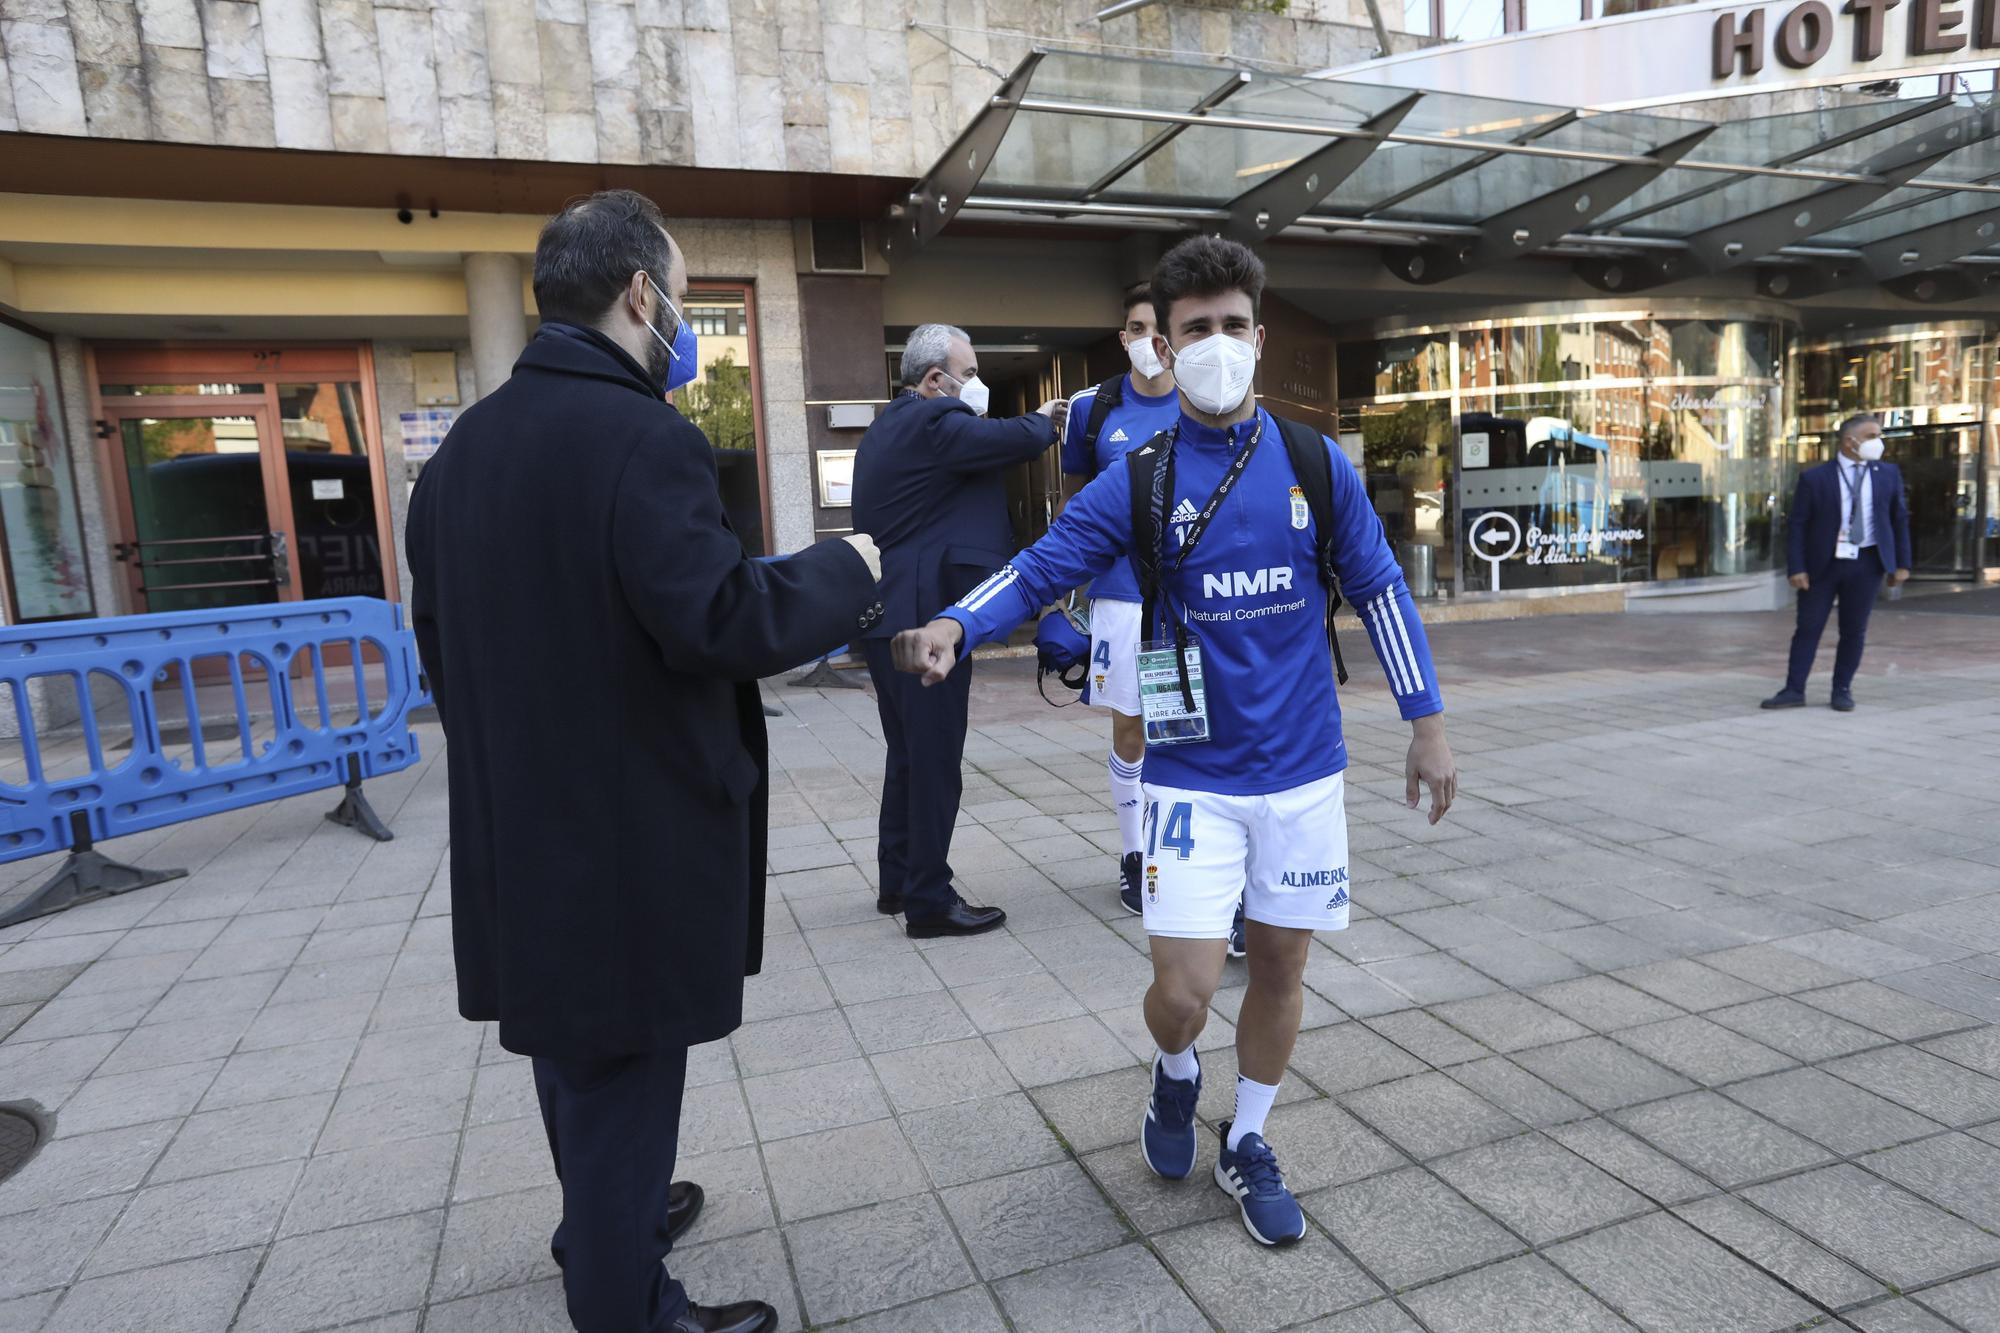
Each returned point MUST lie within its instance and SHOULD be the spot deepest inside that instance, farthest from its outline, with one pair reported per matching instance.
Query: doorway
(243, 475)
(1940, 466)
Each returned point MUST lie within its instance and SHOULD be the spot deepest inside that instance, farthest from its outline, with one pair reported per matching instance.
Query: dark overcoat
(593, 634)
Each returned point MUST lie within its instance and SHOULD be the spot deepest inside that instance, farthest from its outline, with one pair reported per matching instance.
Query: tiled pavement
(1683, 1021)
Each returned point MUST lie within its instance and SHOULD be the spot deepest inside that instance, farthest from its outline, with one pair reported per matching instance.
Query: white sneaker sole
(1228, 1187)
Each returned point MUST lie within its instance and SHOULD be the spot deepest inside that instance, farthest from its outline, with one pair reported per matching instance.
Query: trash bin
(1419, 562)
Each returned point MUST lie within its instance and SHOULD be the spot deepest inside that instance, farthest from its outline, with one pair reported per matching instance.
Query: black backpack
(1310, 464)
(1109, 395)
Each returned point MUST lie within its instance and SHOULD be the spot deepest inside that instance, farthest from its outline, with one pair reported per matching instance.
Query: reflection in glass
(721, 401)
(188, 390)
(197, 488)
(1405, 457)
(44, 534)
(1472, 20)
(333, 491)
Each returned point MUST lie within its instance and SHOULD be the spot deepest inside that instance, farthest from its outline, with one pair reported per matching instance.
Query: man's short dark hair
(1206, 266)
(1140, 295)
(1856, 422)
(588, 253)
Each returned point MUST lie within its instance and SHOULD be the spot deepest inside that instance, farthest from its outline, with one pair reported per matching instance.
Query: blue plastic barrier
(247, 653)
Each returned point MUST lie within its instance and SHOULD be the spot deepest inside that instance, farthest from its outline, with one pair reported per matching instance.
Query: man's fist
(1800, 581)
(1899, 578)
(930, 652)
(1057, 411)
(865, 544)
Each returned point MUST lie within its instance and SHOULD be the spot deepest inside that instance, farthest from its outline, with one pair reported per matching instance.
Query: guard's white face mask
(972, 392)
(1870, 450)
(1215, 373)
(1144, 359)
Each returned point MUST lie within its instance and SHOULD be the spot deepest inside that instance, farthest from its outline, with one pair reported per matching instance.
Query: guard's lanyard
(1195, 531)
(1853, 524)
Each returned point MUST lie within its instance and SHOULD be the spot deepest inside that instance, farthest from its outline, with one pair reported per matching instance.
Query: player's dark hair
(1206, 266)
(1140, 295)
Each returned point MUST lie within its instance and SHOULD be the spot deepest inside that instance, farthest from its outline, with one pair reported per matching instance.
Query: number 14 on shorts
(1178, 835)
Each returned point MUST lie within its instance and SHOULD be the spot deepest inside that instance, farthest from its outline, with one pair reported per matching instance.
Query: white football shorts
(1283, 855)
(1114, 656)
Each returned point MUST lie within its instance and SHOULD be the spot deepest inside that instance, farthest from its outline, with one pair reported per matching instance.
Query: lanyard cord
(1195, 531)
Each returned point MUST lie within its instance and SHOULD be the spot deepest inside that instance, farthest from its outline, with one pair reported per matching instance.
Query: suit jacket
(1819, 506)
(593, 633)
(930, 487)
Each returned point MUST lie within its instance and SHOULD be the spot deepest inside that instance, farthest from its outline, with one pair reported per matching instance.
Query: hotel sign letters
(1858, 33)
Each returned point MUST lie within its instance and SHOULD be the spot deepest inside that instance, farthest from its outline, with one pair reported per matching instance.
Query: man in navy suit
(930, 485)
(1849, 525)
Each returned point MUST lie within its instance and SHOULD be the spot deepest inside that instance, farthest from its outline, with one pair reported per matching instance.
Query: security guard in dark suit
(930, 486)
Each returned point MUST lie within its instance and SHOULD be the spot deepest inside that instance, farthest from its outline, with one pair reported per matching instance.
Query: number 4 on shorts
(1179, 835)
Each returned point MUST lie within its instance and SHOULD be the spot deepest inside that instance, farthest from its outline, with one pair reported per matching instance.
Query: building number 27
(1179, 835)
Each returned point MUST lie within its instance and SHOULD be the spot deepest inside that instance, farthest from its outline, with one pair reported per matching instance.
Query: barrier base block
(824, 677)
(84, 877)
(354, 812)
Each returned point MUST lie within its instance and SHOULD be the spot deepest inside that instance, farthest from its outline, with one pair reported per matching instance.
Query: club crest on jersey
(1152, 883)
(1301, 515)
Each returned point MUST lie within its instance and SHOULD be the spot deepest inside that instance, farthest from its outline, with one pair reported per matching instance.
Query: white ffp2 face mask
(1215, 373)
(1870, 450)
(1144, 359)
(975, 395)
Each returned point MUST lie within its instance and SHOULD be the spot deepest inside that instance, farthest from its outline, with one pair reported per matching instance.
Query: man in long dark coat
(593, 634)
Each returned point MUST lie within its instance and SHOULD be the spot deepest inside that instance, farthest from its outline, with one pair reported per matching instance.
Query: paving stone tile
(1897, 1316)
(1720, 1139)
(215, 995)
(109, 1101)
(1775, 969)
(1703, 1051)
(280, 1072)
(1428, 1038)
(189, 1297)
(924, 1078)
(893, 977)
(1509, 1022)
(1353, 991)
(1604, 948)
(99, 1011)
(1928, 1084)
(336, 1277)
(1780, 1251)
(1432, 978)
(254, 1135)
(1690, 985)
(363, 1184)
(1408, 1227)
(1252, 1288)
(1953, 1171)
(1539, 1188)
(1878, 1227)
(1974, 1301)
(1517, 1092)
(1524, 1295)
(499, 1242)
(1799, 1030)
(1603, 1004)
(1857, 955)
(746, 1264)
(1889, 1012)
(842, 1168)
(308, 1021)
(737, 1199)
(894, 1025)
(714, 1117)
(1036, 1217)
(1372, 940)
(187, 1041)
(1600, 1073)
(1060, 1051)
(969, 1311)
(45, 1248)
(191, 1218)
(981, 958)
(408, 1052)
(806, 1101)
(974, 1140)
(793, 1043)
(1664, 1275)
(1642, 1167)
(1124, 1288)
(1376, 1317)
(1319, 1144)
(879, 1257)
(1978, 1049)
(1347, 1057)
(1429, 1115)
(1155, 1205)
(1965, 989)
(497, 1159)
(1447, 927)
(405, 1109)
(69, 1169)
(1016, 1002)
(1520, 963)
(507, 1092)
(1845, 1118)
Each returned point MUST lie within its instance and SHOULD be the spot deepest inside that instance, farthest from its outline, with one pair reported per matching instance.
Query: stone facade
(873, 87)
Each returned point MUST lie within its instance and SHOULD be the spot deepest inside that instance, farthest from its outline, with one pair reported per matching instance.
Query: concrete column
(494, 310)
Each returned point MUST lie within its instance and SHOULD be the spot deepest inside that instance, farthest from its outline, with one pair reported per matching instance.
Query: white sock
(1182, 1066)
(1253, 1103)
(1126, 795)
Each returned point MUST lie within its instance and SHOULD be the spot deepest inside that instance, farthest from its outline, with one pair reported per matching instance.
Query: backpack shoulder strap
(1312, 464)
(1146, 468)
(1109, 394)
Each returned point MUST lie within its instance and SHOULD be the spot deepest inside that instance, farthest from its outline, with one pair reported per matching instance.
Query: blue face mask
(684, 361)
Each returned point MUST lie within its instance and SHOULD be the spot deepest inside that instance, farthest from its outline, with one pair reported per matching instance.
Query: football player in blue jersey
(1234, 544)
(1106, 422)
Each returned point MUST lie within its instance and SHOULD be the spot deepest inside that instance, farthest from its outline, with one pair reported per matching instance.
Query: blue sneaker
(1236, 945)
(1166, 1136)
(1128, 892)
(1250, 1175)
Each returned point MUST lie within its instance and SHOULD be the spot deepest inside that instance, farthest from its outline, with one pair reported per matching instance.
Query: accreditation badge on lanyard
(1171, 695)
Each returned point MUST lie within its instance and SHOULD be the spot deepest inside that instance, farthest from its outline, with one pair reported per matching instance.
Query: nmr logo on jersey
(1247, 583)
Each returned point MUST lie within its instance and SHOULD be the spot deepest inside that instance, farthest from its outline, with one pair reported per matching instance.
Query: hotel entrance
(242, 475)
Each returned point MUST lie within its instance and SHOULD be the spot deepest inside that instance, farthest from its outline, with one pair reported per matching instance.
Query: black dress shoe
(1843, 701)
(888, 904)
(1785, 699)
(742, 1317)
(684, 1200)
(962, 919)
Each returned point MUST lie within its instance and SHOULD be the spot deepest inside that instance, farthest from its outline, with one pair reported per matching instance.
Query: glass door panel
(201, 522)
(332, 491)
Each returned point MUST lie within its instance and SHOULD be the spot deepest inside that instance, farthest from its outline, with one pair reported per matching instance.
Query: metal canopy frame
(1560, 222)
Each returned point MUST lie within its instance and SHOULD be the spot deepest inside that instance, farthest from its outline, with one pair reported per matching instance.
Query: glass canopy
(1109, 134)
